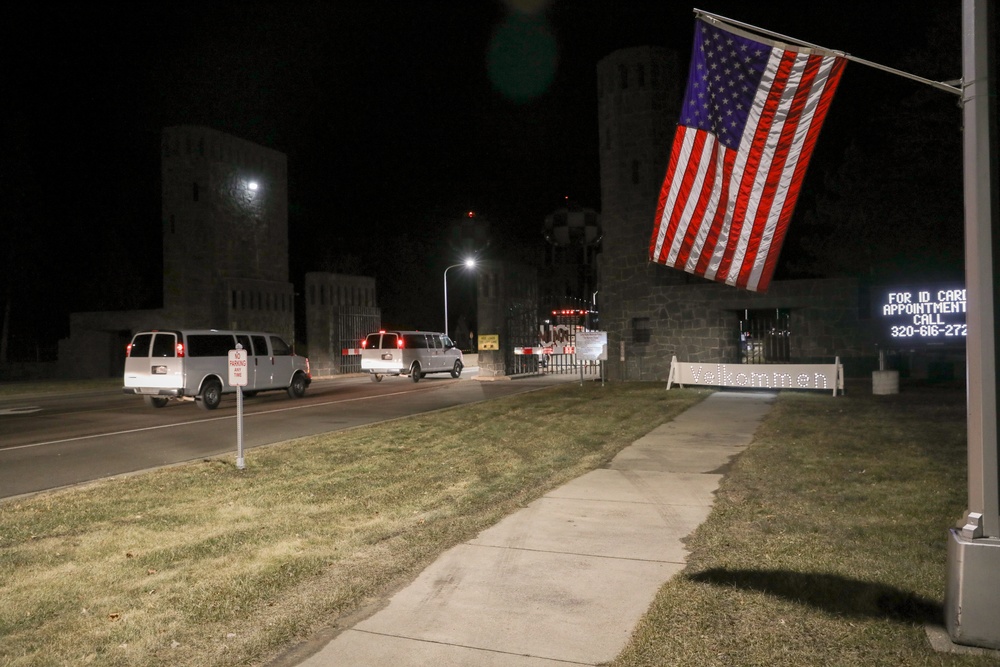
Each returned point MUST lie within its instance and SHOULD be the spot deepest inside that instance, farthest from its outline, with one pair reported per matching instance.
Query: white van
(413, 353)
(194, 365)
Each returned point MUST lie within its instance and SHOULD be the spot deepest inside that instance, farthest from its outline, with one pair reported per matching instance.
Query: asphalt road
(51, 441)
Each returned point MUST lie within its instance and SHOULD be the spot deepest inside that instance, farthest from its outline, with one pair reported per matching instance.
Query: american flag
(749, 121)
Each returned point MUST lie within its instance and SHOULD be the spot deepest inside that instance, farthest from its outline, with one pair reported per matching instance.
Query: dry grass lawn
(827, 544)
(204, 564)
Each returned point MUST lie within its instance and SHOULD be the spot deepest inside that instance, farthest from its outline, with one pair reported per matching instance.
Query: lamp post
(470, 263)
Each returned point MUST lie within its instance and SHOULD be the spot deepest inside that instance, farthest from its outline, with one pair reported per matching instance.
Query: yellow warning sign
(489, 342)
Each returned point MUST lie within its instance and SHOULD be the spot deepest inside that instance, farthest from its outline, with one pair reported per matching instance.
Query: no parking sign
(238, 368)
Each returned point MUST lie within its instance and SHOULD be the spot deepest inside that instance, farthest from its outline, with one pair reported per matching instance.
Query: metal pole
(980, 276)
(239, 428)
(446, 300)
(940, 85)
(972, 597)
(469, 263)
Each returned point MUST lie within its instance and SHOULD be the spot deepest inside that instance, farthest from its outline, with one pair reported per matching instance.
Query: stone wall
(340, 311)
(700, 323)
(96, 344)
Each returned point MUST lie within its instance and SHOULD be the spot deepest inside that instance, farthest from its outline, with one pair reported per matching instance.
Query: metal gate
(561, 358)
(352, 327)
(765, 337)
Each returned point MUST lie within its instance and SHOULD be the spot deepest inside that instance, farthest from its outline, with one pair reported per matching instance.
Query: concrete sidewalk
(567, 578)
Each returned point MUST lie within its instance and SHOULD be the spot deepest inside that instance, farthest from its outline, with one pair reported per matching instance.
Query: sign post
(238, 379)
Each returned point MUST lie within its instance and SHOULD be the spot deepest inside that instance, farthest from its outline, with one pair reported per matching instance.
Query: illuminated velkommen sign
(929, 315)
(825, 377)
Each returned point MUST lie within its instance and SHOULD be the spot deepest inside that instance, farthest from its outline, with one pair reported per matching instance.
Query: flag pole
(972, 594)
(940, 85)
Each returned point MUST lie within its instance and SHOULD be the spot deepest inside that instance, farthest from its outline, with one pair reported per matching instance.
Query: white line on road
(19, 411)
(200, 421)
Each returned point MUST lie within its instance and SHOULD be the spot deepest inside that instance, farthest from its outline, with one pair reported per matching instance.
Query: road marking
(211, 419)
(19, 411)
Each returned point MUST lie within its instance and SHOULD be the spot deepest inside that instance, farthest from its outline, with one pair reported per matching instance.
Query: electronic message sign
(928, 315)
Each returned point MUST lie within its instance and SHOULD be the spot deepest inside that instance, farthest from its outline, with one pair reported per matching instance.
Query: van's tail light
(180, 349)
(364, 344)
(399, 343)
(128, 350)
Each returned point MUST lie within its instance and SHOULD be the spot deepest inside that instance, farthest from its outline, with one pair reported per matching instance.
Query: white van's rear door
(153, 362)
(381, 354)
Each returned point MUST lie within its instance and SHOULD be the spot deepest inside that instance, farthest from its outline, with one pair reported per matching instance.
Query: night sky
(395, 116)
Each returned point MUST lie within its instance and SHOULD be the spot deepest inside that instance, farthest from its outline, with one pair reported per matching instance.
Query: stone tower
(638, 93)
(225, 232)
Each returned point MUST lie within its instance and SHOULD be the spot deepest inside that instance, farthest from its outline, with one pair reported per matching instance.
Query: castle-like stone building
(651, 312)
(225, 253)
(225, 233)
(225, 257)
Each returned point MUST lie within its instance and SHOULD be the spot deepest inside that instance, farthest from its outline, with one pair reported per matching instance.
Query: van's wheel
(415, 372)
(297, 389)
(456, 370)
(376, 377)
(155, 401)
(210, 396)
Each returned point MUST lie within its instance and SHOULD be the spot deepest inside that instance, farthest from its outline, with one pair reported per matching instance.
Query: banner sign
(592, 345)
(825, 377)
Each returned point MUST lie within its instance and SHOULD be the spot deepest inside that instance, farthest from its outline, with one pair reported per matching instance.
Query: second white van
(413, 353)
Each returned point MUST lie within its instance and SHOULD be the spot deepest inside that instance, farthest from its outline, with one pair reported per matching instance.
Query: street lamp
(469, 263)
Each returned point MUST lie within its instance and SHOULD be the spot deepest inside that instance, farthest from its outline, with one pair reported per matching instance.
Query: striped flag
(751, 114)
